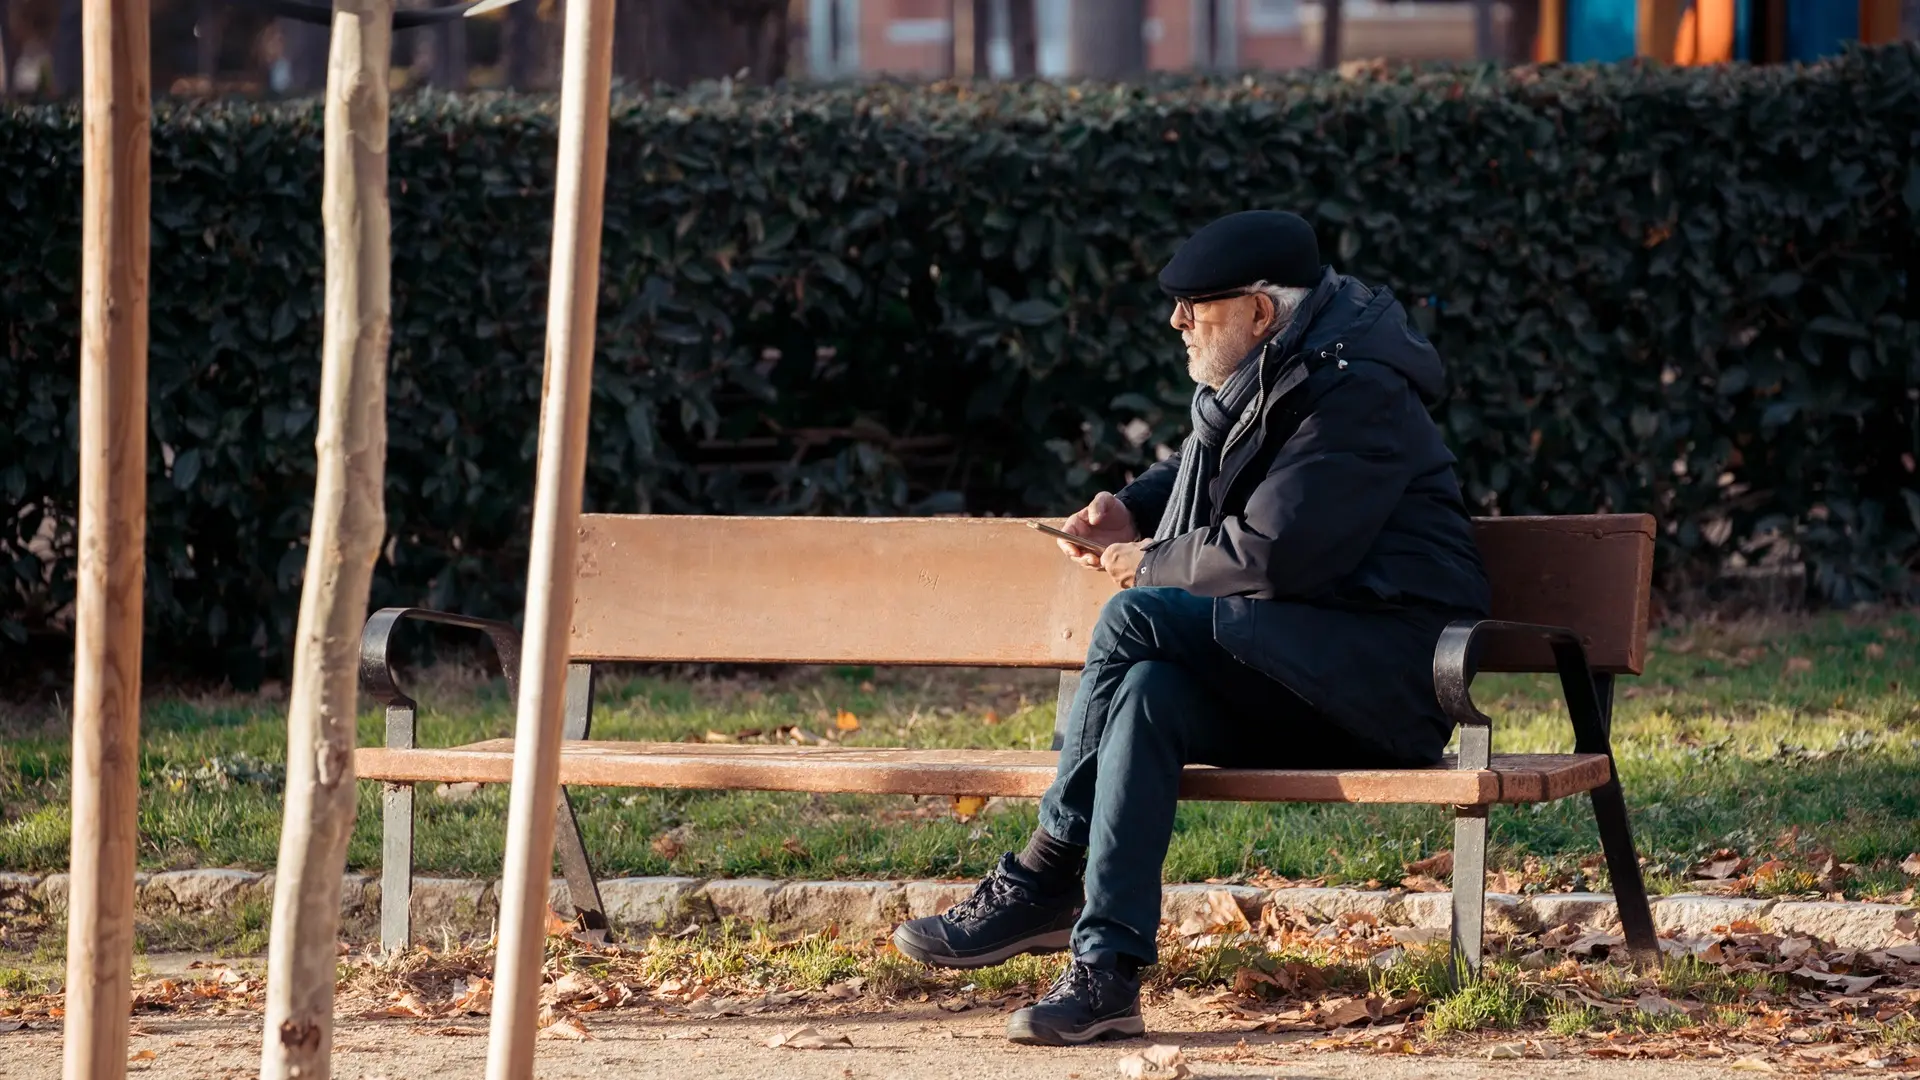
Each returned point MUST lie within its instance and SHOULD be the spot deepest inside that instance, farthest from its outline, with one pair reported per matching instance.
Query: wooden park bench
(1570, 594)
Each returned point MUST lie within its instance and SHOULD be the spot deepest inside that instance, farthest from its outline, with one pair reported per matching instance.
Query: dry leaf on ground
(845, 990)
(1753, 1064)
(1506, 1052)
(1355, 1011)
(405, 1007)
(1656, 1005)
(966, 807)
(566, 1029)
(1875, 650)
(1422, 883)
(808, 1038)
(1911, 864)
(667, 846)
(792, 846)
(1439, 864)
(1156, 1062)
(477, 998)
(846, 721)
(1846, 984)
(143, 1055)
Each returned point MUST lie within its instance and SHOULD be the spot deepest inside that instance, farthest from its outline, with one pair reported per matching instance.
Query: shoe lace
(1076, 981)
(990, 894)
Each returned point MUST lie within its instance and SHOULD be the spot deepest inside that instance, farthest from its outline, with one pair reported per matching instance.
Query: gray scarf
(1216, 415)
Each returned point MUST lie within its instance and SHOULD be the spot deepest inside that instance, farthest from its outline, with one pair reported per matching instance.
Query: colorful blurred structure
(1712, 31)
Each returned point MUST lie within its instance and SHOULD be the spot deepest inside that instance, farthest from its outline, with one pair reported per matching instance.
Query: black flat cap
(1237, 250)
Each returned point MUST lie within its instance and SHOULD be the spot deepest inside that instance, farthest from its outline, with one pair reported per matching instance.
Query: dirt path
(920, 1043)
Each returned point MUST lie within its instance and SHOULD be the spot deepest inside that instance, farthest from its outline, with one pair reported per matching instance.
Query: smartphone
(1080, 542)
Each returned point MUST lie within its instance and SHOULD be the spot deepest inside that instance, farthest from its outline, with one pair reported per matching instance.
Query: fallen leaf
(1753, 1064)
(11, 1025)
(845, 990)
(1906, 954)
(1422, 883)
(406, 1007)
(143, 1055)
(792, 846)
(1156, 1062)
(1655, 1005)
(1224, 914)
(1355, 1011)
(1719, 869)
(566, 1029)
(846, 721)
(667, 846)
(808, 1038)
(719, 737)
(478, 998)
(1846, 984)
(1797, 664)
(1412, 1001)
(1875, 650)
(1588, 944)
(1506, 1052)
(992, 718)
(1439, 864)
(965, 807)
(573, 986)
(1911, 864)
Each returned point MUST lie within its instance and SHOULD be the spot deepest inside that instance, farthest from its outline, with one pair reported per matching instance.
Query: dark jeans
(1159, 694)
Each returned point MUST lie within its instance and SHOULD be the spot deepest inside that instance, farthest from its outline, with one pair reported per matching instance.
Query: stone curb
(636, 905)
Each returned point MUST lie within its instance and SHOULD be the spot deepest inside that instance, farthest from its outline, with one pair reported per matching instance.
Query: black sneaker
(1087, 1004)
(1005, 916)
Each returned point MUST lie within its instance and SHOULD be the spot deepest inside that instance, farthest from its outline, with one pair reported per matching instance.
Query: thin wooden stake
(113, 525)
(573, 294)
(349, 522)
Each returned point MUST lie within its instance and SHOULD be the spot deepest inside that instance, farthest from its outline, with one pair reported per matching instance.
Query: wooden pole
(349, 523)
(117, 91)
(1550, 46)
(573, 292)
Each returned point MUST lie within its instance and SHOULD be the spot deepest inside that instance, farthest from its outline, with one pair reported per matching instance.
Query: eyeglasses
(1183, 307)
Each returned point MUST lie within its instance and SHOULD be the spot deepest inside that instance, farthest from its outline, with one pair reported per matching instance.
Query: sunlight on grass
(1726, 742)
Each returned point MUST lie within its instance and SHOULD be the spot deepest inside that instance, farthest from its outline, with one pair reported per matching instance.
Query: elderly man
(1285, 577)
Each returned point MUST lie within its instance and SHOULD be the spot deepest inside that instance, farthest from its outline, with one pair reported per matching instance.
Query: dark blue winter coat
(1339, 545)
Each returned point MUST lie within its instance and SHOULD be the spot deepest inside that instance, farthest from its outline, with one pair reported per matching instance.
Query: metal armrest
(376, 667)
(1456, 661)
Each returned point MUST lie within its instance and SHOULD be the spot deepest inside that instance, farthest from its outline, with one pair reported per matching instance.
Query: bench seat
(1570, 595)
(1509, 778)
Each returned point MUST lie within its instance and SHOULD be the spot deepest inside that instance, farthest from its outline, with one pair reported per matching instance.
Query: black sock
(1055, 862)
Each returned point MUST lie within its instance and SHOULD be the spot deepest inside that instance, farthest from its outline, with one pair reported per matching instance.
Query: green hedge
(1684, 291)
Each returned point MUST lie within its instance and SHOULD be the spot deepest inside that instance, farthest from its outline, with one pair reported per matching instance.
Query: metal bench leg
(574, 864)
(1063, 705)
(396, 843)
(1469, 890)
(1616, 840)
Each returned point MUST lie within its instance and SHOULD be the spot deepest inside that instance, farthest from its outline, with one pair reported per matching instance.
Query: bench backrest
(991, 592)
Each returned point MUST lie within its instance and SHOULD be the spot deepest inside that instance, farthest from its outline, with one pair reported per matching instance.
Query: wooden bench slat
(1512, 778)
(990, 592)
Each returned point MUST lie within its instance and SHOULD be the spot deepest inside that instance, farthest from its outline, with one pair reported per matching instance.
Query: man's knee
(1154, 700)
(1143, 616)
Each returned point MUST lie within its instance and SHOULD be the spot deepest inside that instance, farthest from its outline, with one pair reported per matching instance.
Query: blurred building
(840, 38)
(915, 37)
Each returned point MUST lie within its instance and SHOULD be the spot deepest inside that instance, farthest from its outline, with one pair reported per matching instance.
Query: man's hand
(1122, 562)
(1105, 521)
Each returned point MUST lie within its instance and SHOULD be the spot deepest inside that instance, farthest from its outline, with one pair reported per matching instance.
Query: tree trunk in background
(450, 55)
(521, 44)
(206, 22)
(1024, 38)
(983, 34)
(1484, 47)
(6, 50)
(306, 54)
(684, 41)
(349, 521)
(1330, 34)
(1523, 26)
(1108, 39)
(66, 50)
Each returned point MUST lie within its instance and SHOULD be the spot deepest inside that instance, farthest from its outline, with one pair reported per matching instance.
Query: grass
(1737, 734)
